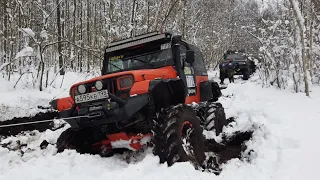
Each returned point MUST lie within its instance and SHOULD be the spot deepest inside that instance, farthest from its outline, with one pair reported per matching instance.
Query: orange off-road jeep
(154, 90)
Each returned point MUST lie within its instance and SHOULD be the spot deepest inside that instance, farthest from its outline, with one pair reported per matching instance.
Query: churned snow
(285, 143)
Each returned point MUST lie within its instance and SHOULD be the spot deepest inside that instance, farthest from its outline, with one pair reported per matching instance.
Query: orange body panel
(134, 140)
(64, 103)
(139, 75)
(124, 136)
(196, 98)
(141, 87)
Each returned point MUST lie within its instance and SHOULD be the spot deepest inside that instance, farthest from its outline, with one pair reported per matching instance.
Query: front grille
(109, 84)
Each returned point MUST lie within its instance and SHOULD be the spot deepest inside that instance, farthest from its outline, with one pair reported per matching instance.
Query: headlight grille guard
(119, 83)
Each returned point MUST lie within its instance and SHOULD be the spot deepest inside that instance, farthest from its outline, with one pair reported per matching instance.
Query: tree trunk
(133, 18)
(41, 66)
(148, 16)
(157, 16)
(5, 33)
(310, 37)
(301, 26)
(111, 17)
(81, 36)
(74, 30)
(59, 38)
(296, 58)
(88, 35)
(184, 19)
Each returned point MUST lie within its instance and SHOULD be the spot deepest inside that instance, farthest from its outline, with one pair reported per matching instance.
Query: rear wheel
(245, 74)
(214, 118)
(178, 137)
(252, 67)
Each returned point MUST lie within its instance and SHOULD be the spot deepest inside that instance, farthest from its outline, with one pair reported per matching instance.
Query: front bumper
(103, 112)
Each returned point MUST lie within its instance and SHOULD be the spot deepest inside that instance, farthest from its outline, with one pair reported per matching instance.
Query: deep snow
(24, 99)
(285, 144)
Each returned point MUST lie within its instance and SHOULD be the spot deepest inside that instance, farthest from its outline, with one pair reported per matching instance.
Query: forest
(37, 36)
(150, 108)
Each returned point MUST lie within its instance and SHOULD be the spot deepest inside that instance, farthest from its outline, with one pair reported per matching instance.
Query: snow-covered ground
(25, 98)
(285, 144)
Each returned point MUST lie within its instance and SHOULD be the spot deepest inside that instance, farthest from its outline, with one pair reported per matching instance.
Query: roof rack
(122, 44)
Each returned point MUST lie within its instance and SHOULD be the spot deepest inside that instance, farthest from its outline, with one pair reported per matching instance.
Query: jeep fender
(167, 92)
(62, 104)
(209, 90)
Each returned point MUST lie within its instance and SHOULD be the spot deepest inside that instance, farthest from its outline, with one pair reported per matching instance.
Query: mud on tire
(214, 118)
(68, 140)
(178, 136)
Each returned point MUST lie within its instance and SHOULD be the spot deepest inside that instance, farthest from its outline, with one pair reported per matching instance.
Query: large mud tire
(214, 118)
(69, 139)
(178, 136)
(245, 75)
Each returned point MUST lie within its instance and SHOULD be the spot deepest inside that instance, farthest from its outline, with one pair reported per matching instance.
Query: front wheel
(70, 139)
(178, 136)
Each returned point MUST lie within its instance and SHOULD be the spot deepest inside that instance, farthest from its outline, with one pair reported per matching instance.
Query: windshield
(147, 60)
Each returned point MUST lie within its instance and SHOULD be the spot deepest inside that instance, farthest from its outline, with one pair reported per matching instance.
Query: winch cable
(44, 121)
(26, 123)
(49, 120)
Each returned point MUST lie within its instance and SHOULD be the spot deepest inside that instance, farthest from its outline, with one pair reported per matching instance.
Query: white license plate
(91, 96)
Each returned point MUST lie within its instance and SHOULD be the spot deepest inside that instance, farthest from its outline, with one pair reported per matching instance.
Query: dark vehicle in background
(242, 64)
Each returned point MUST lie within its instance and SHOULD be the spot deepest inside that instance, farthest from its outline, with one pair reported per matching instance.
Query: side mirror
(190, 57)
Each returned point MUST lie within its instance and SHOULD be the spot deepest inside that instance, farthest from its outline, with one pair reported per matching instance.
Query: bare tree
(214, 26)
(302, 32)
(59, 37)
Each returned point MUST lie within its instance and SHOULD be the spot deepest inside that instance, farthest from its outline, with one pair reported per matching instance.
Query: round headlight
(82, 89)
(99, 85)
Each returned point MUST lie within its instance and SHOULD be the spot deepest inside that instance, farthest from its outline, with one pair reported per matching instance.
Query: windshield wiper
(152, 56)
(145, 62)
(115, 66)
